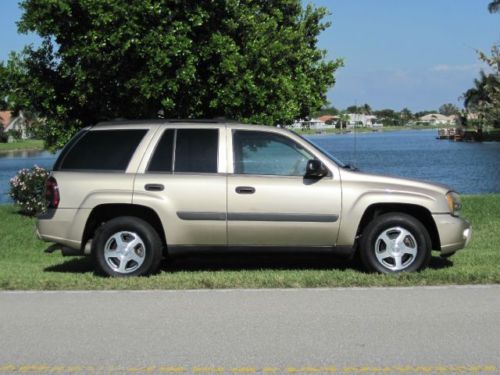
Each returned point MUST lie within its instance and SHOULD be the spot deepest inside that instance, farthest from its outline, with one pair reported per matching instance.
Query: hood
(395, 183)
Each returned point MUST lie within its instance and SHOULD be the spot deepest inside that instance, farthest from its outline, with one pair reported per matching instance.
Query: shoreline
(20, 146)
(387, 129)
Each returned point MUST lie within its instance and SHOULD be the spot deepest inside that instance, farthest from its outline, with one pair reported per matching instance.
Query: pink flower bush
(26, 189)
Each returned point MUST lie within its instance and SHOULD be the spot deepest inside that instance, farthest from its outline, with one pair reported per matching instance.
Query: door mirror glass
(315, 169)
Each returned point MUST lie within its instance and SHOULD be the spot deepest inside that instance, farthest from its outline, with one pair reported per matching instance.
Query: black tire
(391, 236)
(136, 243)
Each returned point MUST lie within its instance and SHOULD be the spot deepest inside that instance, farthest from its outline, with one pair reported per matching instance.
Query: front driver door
(270, 203)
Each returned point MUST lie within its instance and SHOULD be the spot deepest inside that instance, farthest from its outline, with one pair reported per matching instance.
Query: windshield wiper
(350, 167)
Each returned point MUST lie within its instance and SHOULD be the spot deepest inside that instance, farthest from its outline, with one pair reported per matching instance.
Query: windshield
(322, 150)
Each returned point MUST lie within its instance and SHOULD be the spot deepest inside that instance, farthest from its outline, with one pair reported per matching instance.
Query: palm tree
(478, 94)
(494, 6)
(366, 109)
(343, 119)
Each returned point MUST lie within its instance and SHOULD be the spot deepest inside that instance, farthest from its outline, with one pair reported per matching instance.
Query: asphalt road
(377, 330)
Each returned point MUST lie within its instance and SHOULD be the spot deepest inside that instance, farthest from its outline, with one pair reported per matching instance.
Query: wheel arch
(105, 212)
(420, 213)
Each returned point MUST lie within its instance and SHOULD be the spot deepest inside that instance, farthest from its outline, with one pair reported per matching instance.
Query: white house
(313, 123)
(18, 124)
(438, 119)
(366, 121)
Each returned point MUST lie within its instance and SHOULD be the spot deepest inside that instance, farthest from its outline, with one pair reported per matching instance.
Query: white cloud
(456, 68)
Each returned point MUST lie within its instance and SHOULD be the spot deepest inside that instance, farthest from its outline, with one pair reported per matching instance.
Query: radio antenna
(355, 161)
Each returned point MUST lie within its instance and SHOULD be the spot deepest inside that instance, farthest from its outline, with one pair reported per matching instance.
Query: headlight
(454, 203)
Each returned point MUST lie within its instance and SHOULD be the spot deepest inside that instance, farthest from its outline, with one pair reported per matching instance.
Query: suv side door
(270, 202)
(184, 180)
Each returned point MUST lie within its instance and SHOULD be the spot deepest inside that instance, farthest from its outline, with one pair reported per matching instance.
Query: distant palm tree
(494, 6)
(366, 109)
(478, 94)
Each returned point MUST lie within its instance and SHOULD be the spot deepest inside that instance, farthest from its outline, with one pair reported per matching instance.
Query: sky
(417, 54)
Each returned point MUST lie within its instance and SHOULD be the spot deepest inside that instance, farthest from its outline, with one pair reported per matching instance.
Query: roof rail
(217, 120)
(123, 121)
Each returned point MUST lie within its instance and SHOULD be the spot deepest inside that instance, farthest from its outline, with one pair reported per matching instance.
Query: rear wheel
(127, 246)
(395, 242)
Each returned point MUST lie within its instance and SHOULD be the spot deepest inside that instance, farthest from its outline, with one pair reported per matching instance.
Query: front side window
(186, 150)
(106, 150)
(264, 153)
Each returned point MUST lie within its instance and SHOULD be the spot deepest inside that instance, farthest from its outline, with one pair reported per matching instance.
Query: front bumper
(455, 233)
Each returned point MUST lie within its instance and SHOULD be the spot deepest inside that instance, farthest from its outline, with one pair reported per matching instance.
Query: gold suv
(128, 193)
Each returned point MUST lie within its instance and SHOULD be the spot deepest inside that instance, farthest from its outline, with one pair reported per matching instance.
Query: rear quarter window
(104, 150)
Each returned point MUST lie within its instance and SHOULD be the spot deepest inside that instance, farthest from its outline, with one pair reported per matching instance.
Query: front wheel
(127, 246)
(395, 242)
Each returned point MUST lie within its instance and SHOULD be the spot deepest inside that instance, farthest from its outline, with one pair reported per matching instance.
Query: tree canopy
(494, 6)
(251, 60)
(449, 109)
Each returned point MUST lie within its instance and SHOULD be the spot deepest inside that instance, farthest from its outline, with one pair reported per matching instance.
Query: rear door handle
(245, 190)
(154, 187)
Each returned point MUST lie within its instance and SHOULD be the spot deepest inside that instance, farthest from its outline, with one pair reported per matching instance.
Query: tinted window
(268, 154)
(196, 150)
(162, 158)
(102, 150)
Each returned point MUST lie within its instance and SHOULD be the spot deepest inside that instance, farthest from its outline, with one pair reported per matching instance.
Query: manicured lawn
(24, 265)
(28, 144)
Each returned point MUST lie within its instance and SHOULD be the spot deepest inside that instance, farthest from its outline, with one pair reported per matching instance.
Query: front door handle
(154, 187)
(245, 190)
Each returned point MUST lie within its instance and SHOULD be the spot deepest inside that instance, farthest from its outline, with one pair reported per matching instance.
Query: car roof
(181, 122)
(165, 122)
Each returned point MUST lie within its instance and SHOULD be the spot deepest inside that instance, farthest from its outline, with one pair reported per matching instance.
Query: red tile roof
(5, 117)
(326, 118)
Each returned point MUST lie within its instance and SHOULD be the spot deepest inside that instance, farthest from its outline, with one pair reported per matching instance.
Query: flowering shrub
(26, 189)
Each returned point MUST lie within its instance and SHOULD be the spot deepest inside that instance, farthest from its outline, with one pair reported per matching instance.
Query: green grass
(25, 265)
(28, 144)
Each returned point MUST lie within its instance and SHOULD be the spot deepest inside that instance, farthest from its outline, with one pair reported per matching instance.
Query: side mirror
(315, 169)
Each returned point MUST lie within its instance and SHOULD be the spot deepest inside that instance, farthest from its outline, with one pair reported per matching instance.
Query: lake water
(470, 168)
(11, 162)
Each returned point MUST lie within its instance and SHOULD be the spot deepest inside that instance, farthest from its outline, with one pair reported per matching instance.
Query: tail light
(52, 193)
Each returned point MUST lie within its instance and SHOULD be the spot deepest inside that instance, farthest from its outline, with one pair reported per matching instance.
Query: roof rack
(217, 120)
(123, 121)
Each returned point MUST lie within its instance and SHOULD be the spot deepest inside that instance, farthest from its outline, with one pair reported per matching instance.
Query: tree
(251, 60)
(449, 109)
(489, 109)
(476, 95)
(366, 109)
(406, 114)
(389, 117)
(326, 111)
(494, 6)
(343, 120)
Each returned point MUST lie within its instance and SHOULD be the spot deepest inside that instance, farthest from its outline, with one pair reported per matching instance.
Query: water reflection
(23, 154)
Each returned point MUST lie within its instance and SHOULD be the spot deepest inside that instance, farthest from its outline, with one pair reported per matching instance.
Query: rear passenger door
(183, 179)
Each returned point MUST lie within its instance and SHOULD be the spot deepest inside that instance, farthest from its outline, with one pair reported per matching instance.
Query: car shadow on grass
(73, 265)
(242, 262)
(251, 262)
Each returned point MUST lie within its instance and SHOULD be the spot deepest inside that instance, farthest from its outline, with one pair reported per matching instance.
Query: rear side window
(186, 150)
(109, 150)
